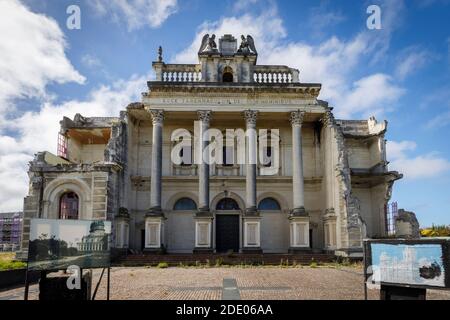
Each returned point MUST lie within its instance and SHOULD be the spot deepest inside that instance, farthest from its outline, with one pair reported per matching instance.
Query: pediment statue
(247, 45)
(208, 44)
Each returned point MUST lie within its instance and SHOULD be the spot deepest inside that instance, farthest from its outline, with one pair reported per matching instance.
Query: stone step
(270, 259)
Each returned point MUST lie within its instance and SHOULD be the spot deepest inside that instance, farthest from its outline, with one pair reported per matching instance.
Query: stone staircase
(218, 259)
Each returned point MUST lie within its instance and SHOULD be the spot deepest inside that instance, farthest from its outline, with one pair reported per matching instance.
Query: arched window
(227, 204)
(227, 75)
(269, 204)
(68, 206)
(185, 204)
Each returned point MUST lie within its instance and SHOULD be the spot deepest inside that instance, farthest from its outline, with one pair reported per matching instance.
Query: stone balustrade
(274, 74)
(192, 73)
(181, 73)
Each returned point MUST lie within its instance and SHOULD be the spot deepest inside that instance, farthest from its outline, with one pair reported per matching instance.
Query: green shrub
(219, 262)
(162, 265)
(12, 265)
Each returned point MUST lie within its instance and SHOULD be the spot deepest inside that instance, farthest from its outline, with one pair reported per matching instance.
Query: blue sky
(400, 73)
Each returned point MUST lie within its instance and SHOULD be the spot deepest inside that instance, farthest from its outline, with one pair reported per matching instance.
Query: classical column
(251, 221)
(299, 219)
(297, 164)
(203, 169)
(155, 193)
(203, 218)
(328, 120)
(252, 156)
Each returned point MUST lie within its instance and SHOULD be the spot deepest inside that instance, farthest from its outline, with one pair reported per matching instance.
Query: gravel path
(252, 283)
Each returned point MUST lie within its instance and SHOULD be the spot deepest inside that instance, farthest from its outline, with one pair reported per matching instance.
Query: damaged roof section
(362, 128)
(88, 130)
(87, 122)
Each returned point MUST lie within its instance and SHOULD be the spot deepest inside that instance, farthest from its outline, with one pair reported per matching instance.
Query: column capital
(157, 116)
(204, 115)
(328, 119)
(297, 117)
(250, 116)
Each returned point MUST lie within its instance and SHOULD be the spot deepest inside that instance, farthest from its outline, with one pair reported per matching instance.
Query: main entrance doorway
(227, 232)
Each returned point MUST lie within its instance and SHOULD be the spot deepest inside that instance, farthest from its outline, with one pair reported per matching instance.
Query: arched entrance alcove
(227, 225)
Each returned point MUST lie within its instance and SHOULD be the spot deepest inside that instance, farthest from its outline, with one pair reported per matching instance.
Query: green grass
(162, 265)
(7, 262)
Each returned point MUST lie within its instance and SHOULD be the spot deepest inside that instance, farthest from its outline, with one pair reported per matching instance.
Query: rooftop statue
(247, 45)
(208, 44)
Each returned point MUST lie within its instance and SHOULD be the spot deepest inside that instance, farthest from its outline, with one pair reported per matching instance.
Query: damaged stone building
(330, 190)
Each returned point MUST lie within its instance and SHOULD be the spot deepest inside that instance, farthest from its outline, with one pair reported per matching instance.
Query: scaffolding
(10, 231)
(391, 214)
(62, 146)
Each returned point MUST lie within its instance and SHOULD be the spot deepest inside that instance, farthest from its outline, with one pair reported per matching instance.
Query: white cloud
(422, 166)
(136, 13)
(91, 61)
(396, 150)
(331, 62)
(371, 95)
(267, 29)
(31, 55)
(323, 19)
(32, 136)
(439, 121)
(244, 4)
(411, 60)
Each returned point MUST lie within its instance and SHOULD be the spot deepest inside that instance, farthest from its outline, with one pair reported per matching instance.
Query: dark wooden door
(227, 232)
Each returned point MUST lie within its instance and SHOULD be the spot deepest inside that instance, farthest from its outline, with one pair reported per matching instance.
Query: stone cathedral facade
(329, 190)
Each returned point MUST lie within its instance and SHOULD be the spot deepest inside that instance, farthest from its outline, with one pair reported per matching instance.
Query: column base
(154, 212)
(203, 213)
(299, 212)
(203, 250)
(252, 250)
(295, 250)
(253, 211)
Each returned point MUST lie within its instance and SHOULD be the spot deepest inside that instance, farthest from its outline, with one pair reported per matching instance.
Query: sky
(400, 72)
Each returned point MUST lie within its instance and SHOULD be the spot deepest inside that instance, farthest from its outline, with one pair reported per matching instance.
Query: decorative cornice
(250, 116)
(157, 116)
(297, 117)
(204, 116)
(303, 90)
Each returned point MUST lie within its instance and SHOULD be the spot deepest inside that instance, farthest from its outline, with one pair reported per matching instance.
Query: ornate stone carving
(328, 119)
(204, 115)
(297, 117)
(157, 116)
(36, 181)
(250, 116)
(160, 52)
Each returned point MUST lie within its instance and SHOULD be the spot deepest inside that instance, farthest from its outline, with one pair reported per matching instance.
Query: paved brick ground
(253, 283)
